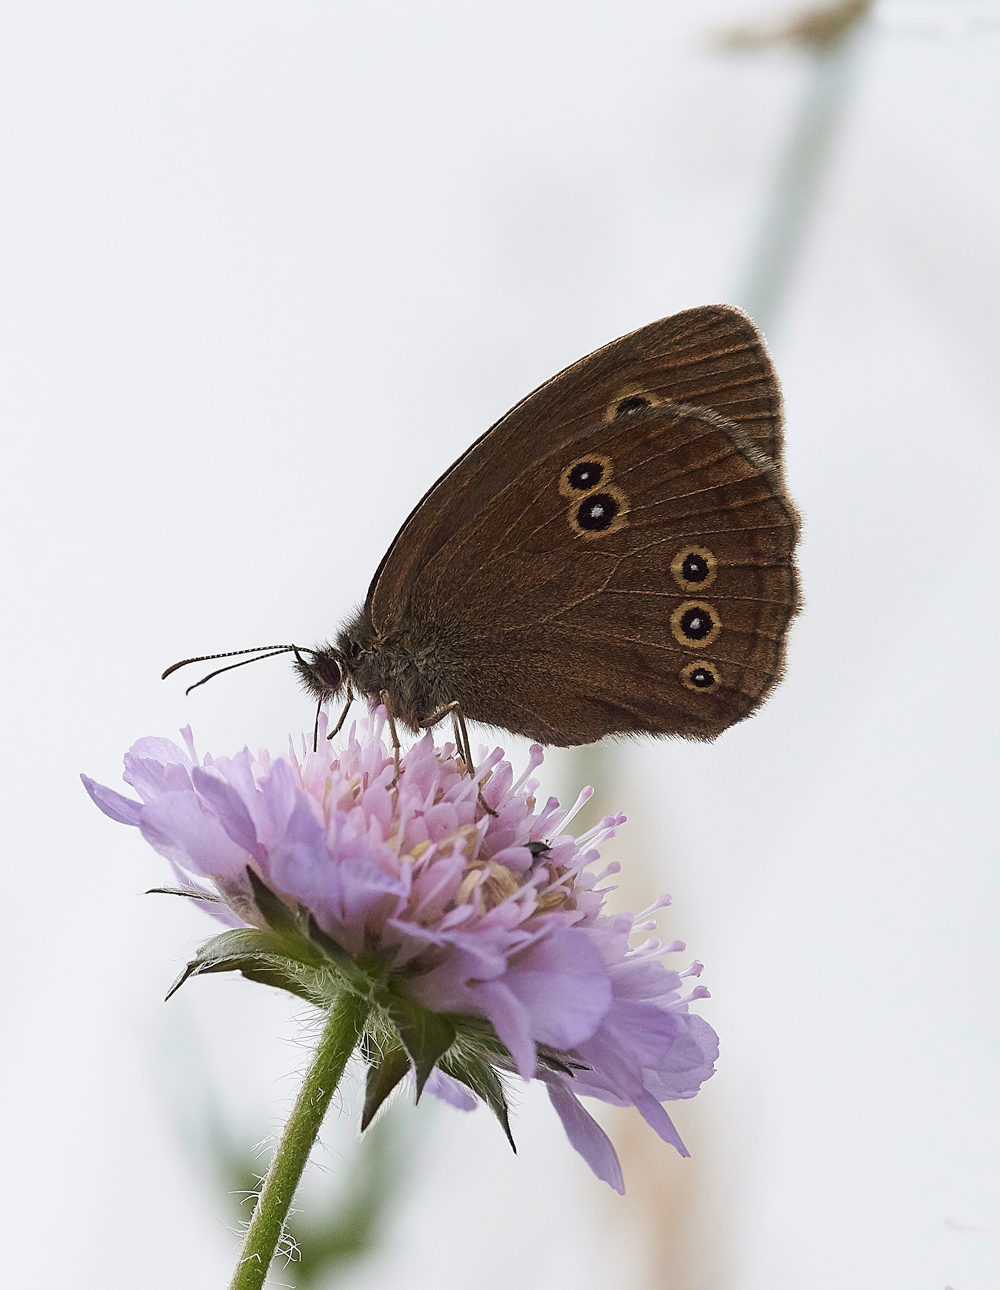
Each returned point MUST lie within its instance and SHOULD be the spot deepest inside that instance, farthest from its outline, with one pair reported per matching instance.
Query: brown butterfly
(614, 556)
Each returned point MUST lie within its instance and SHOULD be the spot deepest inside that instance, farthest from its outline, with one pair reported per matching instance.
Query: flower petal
(689, 1061)
(656, 1117)
(154, 766)
(274, 806)
(450, 1090)
(512, 1022)
(563, 984)
(587, 1136)
(121, 809)
(228, 808)
(180, 827)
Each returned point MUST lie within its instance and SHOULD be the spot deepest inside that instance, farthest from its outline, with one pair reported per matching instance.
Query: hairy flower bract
(479, 935)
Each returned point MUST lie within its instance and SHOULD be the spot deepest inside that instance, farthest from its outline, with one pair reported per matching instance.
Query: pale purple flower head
(478, 934)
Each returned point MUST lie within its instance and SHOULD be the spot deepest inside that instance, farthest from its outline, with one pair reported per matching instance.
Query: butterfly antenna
(207, 658)
(275, 650)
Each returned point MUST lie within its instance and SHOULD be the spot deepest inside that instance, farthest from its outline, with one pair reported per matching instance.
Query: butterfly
(612, 557)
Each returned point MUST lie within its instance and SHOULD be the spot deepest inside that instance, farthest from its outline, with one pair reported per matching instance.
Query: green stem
(338, 1040)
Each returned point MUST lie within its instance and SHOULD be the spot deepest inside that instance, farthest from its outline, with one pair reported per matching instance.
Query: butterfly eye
(700, 676)
(585, 474)
(328, 670)
(695, 623)
(694, 568)
(599, 512)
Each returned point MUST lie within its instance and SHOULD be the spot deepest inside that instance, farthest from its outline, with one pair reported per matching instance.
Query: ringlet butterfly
(613, 556)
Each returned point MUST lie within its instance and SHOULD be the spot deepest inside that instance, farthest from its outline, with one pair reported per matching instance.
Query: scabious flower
(476, 937)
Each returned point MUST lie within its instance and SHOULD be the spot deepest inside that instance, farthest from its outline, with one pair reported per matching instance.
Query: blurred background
(266, 270)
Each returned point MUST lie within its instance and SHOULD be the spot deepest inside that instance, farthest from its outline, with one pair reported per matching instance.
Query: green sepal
(426, 1035)
(268, 972)
(383, 1076)
(379, 961)
(477, 1074)
(259, 955)
(327, 944)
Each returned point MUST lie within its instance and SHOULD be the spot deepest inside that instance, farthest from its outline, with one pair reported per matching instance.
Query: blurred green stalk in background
(832, 39)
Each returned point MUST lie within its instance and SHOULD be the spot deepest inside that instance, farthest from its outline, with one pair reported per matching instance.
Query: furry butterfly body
(614, 556)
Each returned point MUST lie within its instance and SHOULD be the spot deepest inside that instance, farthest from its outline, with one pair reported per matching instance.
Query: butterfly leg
(461, 733)
(456, 731)
(390, 717)
(343, 718)
(462, 739)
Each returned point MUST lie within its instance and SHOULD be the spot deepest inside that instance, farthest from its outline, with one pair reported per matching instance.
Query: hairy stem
(336, 1044)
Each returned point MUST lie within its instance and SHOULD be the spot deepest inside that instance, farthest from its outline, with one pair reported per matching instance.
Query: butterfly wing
(623, 565)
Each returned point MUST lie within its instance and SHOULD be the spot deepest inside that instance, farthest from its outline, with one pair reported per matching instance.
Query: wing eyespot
(601, 511)
(585, 474)
(700, 677)
(695, 624)
(694, 568)
(628, 402)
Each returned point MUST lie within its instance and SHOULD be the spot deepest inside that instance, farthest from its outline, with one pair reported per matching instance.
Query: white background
(267, 269)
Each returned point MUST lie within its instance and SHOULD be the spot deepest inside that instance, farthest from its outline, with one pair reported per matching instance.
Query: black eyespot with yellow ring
(700, 677)
(599, 512)
(695, 624)
(694, 568)
(584, 474)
